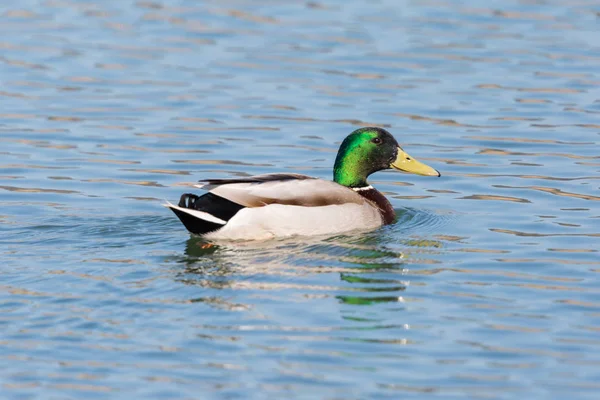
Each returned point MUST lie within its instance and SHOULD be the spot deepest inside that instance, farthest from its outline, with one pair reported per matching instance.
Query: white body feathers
(278, 220)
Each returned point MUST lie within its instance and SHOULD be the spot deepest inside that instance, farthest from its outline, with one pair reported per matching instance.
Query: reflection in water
(283, 263)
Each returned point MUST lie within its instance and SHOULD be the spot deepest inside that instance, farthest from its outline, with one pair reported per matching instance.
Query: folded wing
(284, 189)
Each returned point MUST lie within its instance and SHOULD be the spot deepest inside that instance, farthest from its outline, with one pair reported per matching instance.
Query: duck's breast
(388, 215)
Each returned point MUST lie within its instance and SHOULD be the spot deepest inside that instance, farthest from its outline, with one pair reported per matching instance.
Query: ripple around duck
(421, 222)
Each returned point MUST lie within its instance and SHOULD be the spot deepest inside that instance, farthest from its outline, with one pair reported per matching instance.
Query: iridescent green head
(368, 150)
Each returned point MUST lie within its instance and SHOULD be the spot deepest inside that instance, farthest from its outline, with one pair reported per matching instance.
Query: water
(487, 287)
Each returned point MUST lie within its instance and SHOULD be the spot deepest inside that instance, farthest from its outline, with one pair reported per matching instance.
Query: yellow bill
(406, 163)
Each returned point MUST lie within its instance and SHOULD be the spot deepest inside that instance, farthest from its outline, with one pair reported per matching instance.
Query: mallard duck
(278, 205)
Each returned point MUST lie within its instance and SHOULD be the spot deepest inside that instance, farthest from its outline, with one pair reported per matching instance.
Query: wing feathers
(210, 183)
(304, 191)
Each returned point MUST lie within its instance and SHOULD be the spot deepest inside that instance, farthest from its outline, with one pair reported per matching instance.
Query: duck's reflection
(370, 270)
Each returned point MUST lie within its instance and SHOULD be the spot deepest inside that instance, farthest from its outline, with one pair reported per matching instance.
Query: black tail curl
(209, 203)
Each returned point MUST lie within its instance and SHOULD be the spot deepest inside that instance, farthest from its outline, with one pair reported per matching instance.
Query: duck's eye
(376, 140)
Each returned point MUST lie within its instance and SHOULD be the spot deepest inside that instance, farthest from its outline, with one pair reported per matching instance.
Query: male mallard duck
(276, 205)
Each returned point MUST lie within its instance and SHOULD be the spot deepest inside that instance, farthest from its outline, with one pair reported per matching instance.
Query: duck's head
(369, 150)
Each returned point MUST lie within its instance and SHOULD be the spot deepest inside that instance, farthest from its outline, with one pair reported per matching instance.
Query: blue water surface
(486, 287)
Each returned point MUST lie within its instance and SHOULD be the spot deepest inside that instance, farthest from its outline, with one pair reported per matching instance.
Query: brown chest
(385, 207)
